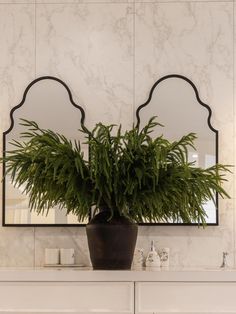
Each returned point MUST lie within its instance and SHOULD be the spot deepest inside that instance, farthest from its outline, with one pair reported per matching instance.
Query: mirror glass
(175, 102)
(47, 102)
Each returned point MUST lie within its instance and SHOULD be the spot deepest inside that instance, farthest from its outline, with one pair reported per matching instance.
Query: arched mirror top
(194, 90)
(37, 84)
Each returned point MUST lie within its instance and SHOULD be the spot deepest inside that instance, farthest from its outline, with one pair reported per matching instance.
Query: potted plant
(129, 177)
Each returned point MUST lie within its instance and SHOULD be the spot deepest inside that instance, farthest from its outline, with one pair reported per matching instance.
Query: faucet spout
(224, 262)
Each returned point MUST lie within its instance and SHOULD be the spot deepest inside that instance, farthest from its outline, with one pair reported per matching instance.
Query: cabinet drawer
(63, 297)
(185, 297)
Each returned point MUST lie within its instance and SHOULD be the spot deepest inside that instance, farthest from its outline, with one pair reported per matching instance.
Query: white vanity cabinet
(60, 291)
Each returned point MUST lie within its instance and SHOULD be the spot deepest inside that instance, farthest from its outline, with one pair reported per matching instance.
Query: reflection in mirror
(49, 103)
(175, 101)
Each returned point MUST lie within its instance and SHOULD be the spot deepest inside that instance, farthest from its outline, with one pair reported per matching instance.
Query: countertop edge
(89, 275)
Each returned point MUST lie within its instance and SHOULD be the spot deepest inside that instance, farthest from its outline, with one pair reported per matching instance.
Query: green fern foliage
(132, 174)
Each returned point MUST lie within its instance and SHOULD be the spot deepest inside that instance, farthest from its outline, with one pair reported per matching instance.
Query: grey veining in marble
(90, 47)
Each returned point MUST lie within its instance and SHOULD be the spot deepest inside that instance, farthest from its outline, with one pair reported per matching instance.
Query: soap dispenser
(153, 259)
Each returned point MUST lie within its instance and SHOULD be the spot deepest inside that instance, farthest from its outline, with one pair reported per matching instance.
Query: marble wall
(110, 53)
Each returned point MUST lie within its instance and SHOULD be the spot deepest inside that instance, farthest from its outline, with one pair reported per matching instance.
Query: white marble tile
(16, 70)
(227, 154)
(17, 55)
(90, 47)
(192, 39)
(61, 238)
(16, 247)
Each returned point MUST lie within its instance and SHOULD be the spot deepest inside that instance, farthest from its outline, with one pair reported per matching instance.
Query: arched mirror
(47, 101)
(174, 99)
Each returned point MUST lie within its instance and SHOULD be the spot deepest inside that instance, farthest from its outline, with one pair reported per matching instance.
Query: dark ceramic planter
(111, 244)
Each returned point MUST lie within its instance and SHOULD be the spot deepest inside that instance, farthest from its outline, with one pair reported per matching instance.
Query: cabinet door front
(62, 297)
(185, 297)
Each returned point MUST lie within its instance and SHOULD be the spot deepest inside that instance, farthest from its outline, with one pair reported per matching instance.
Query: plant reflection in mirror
(130, 173)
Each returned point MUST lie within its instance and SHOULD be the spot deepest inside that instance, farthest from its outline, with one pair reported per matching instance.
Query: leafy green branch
(131, 174)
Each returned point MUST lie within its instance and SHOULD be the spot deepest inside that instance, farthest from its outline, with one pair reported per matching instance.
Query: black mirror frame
(4, 149)
(82, 124)
(209, 125)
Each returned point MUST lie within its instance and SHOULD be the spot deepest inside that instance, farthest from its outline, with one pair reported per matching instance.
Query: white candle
(52, 256)
(67, 256)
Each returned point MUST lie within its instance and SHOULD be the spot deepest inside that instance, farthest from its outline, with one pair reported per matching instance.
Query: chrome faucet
(224, 262)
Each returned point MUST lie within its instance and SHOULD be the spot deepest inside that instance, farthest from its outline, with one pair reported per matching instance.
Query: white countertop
(74, 274)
